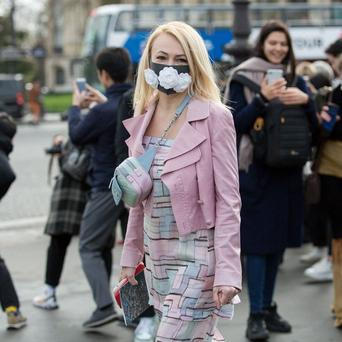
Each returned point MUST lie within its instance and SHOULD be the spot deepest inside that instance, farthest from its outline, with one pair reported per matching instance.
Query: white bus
(312, 27)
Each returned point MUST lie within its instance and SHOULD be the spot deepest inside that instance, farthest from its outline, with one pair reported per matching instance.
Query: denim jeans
(261, 277)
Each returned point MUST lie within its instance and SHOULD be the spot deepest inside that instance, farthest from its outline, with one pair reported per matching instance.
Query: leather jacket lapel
(183, 151)
(136, 127)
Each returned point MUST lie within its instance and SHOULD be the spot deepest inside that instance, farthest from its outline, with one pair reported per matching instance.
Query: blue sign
(214, 39)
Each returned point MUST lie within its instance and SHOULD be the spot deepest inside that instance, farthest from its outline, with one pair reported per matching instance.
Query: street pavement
(22, 244)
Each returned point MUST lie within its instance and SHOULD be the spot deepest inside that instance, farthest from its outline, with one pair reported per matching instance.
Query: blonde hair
(306, 68)
(203, 78)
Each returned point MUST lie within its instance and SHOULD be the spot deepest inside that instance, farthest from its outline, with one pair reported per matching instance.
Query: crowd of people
(235, 180)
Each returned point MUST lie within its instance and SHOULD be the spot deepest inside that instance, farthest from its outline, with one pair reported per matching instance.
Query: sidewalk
(306, 306)
(47, 118)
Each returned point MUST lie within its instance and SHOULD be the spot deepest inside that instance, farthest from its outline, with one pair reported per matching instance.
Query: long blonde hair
(203, 78)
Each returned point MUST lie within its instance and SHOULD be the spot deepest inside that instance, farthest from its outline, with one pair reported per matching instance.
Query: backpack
(285, 139)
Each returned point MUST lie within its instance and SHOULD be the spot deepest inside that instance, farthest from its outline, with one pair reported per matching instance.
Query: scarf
(255, 69)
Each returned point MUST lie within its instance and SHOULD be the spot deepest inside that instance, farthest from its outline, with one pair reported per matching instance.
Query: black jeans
(55, 258)
(316, 223)
(332, 202)
(8, 294)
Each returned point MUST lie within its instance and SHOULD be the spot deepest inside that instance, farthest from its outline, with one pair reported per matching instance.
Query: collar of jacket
(187, 138)
(117, 88)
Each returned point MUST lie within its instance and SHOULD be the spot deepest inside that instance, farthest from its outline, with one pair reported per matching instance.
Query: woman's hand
(223, 295)
(271, 91)
(93, 95)
(293, 96)
(58, 139)
(128, 273)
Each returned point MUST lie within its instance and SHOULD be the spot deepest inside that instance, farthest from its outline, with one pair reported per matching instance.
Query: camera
(54, 149)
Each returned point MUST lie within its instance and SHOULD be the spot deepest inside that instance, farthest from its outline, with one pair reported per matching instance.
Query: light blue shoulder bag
(131, 181)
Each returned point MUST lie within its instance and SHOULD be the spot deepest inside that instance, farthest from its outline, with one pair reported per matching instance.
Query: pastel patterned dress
(179, 270)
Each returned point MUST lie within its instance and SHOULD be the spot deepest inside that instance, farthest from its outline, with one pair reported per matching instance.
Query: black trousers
(316, 224)
(332, 202)
(55, 258)
(8, 294)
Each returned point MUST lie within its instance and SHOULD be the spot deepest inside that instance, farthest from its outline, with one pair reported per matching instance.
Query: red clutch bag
(116, 291)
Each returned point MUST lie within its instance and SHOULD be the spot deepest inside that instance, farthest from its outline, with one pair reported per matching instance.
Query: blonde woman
(189, 226)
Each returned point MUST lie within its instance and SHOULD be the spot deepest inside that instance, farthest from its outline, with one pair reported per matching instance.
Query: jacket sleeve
(84, 130)
(133, 249)
(228, 202)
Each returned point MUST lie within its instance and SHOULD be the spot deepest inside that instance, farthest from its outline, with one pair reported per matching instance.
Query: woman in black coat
(272, 200)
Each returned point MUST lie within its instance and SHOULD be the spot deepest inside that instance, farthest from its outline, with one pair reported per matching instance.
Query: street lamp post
(13, 33)
(239, 48)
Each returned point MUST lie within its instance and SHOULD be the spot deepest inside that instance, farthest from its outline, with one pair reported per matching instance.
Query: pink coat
(201, 174)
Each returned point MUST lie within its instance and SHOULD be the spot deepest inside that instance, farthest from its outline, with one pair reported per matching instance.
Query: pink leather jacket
(201, 174)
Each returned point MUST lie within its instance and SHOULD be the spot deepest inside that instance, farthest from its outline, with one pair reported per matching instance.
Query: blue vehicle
(312, 27)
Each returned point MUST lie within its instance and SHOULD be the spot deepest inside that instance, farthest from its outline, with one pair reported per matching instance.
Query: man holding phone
(97, 129)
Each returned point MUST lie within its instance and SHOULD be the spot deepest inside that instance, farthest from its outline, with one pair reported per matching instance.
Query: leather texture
(201, 173)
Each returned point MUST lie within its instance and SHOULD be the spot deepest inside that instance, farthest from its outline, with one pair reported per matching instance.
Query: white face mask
(169, 79)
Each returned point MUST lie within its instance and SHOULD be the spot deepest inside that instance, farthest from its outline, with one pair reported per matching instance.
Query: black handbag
(288, 135)
(284, 138)
(75, 161)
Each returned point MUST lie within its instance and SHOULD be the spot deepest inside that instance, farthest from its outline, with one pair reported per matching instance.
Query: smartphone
(273, 75)
(81, 84)
(333, 112)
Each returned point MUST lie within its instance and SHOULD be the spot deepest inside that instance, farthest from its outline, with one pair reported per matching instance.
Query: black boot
(256, 327)
(274, 321)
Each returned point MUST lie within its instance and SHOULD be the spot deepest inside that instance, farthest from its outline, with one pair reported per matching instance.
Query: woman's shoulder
(219, 115)
(210, 110)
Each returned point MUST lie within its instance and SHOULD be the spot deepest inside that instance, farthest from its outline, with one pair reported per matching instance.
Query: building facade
(66, 24)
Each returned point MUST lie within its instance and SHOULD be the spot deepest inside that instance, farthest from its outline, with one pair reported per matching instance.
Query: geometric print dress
(179, 269)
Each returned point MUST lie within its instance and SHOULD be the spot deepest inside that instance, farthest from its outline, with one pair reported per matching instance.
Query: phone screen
(81, 84)
(273, 75)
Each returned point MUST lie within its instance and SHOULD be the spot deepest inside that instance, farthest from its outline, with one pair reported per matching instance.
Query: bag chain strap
(178, 113)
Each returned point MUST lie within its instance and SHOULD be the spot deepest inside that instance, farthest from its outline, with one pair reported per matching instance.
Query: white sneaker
(314, 255)
(145, 331)
(47, 300)
(321, 271)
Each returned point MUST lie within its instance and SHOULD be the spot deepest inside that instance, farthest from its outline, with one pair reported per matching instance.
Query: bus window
(259, 15)
(172, 15)
(223, 18)
(124, 22)
(96, 34)
(198, 18)
(147, 19)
